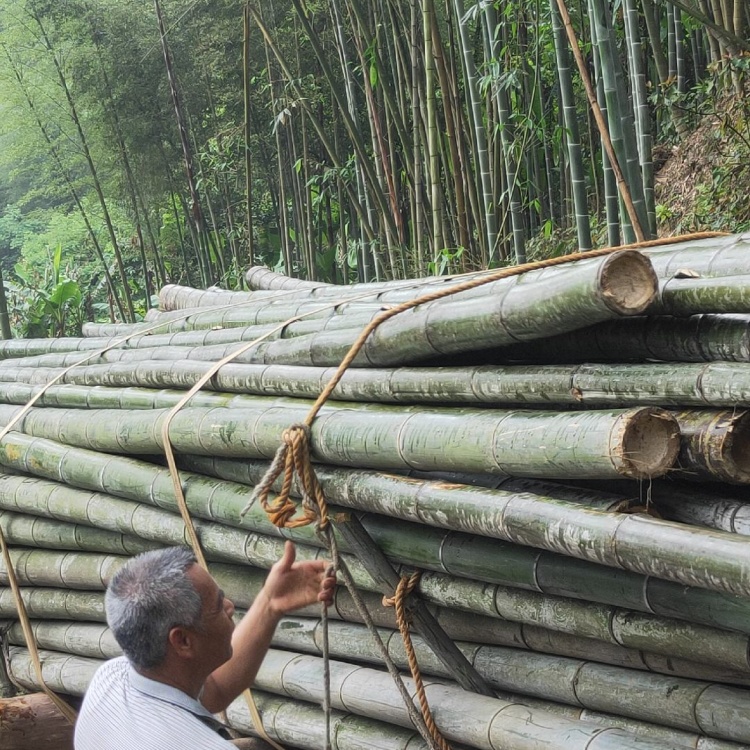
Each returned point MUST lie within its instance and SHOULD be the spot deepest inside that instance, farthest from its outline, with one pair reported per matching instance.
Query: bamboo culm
(614, 385)
(410, 544)
(654, 699)
(506, 515)
(640, 442)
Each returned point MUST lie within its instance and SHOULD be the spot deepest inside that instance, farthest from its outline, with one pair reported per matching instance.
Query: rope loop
(406, 585)
(292, 460)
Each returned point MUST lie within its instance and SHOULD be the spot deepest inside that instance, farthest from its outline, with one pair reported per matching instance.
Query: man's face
(214, 633)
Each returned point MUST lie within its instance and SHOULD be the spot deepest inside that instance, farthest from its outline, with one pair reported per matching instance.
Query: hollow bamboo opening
(628, 283)
(650, 444)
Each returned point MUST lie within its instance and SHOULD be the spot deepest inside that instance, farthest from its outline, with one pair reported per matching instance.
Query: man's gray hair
(146, 598)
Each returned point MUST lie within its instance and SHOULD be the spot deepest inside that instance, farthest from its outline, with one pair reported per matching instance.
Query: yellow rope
(67, 711)
(174, 473)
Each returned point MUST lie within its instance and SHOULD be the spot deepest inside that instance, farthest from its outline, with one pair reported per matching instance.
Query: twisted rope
(294, 457)
(406, 585)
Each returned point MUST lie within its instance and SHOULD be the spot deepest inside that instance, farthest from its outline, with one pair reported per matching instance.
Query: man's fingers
(287, 559)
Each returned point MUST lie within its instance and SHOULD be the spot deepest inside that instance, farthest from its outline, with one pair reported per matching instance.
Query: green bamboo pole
(55, 603)
(715, 384)
(260, 277)
(476, 116)
(483, 513)
(641, 114)
(411, 544)
(504, 311)
(481, 722)
(639, 442)
(89, 639)
(290, 722)
(688, 503)
(712, 256)
(86, 606)
(250, 314)
(689, 705)
(231, 331)
(655, 702)
(486, 723)
(31, 531)
(690, 296)
(619, 114)
(698, 338)
(573, 140)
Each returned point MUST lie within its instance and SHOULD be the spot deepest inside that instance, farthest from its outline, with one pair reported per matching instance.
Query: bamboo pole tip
(628, 282)
(650, 443)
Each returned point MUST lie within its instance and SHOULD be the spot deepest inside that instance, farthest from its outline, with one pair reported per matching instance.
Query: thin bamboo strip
(651, 700)
(613, 385)
(596, 444)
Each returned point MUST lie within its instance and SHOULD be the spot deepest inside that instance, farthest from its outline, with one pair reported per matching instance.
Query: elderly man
(184, 659)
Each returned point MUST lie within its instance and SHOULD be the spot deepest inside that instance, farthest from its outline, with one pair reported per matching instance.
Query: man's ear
(181, 642)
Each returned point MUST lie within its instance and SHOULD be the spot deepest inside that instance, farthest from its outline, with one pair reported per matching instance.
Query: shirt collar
(163, 692)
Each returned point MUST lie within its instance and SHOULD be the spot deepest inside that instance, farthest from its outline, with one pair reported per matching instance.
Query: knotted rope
(294, 458)
(406, 585)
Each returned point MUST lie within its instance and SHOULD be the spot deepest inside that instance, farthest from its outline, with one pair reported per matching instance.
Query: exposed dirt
(704, 182)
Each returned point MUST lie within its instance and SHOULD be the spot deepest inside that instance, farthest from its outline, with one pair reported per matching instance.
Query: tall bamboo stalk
(90, 162)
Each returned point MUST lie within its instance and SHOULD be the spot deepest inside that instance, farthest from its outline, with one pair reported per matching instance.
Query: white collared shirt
(123, 710)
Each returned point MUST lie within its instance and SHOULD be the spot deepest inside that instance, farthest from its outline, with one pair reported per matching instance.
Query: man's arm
(290, 585)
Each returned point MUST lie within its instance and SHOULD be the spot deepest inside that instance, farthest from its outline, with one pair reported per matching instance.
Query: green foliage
(47, 303)
(447, 261)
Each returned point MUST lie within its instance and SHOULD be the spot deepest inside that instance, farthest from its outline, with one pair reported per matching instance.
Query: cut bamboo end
(715, 444)
(650, 444)
(628, 282)
(737, 456)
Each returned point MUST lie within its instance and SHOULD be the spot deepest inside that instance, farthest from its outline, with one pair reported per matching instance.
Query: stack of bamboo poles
(561, 453)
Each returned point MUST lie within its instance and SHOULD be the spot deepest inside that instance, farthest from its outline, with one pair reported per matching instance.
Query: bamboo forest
(433, 316)
(342, 141)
